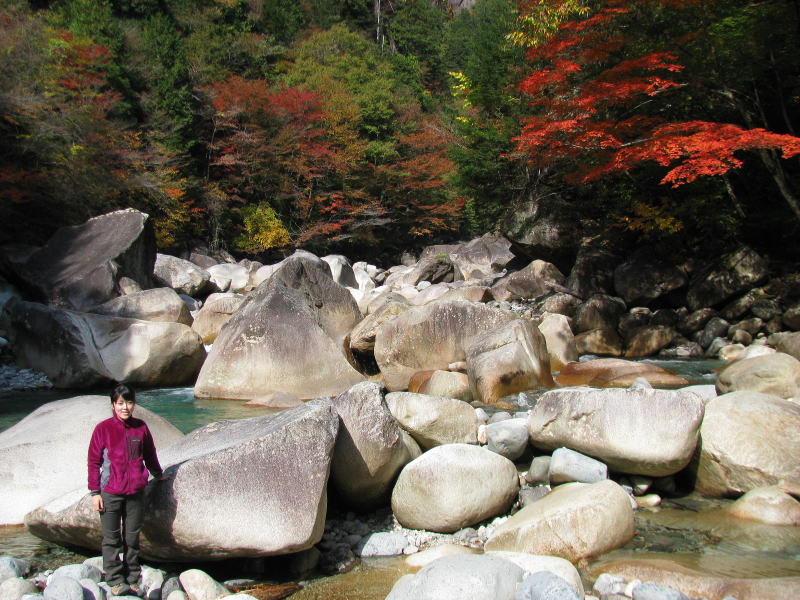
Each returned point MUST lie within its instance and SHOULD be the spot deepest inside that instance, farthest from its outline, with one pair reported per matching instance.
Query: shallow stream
(690, 531)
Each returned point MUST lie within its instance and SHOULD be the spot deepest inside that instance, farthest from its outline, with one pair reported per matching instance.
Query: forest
(370, 127)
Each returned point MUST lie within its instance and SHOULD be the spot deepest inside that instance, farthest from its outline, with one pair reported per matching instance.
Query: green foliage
(282, 19)
(417, 29)
(262, 229)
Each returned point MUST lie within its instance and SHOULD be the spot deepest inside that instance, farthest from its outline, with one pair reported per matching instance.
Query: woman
(121, 453)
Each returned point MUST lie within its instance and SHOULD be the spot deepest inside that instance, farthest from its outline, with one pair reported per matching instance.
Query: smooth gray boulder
(214, 313)
(777, 374)
(78, 571)
(536, 563)
(645, 432)
(370, 449)
(229, 277)
(80, 266)
(382, 543)
(431, 337)
(466, 577)
(508, 359)
(83, 350)
(748, 442)
(433, 420)
(482, 257)
(287, 336)
(182, 276)
(341, 270)
(44, 455)
(242, 488)
(573, 521)
(566, 465)
(453, 486)
(158, 304)
(508, 438)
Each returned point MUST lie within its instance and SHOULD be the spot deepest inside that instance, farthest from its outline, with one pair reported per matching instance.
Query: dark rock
(593, 270)
(79, 266)
(695, 321)
(535, 280)
(725, 277)
(599, 312)
(645, 276)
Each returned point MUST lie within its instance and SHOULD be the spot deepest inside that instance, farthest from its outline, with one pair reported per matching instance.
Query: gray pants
(121, 518)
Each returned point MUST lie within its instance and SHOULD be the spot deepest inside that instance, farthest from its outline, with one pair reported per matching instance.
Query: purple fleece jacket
(118, 453)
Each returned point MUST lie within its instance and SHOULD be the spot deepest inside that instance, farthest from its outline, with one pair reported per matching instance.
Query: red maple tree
(590, 112)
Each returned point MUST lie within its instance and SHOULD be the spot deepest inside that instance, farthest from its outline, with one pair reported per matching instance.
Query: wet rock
(740, 449)
(452, 486)
(647, 432)
(654, 591)
(768, 505)
(777, 374)
(44, 455)
(573, 521)
(695, 320)
(614, 372)
(432, 420)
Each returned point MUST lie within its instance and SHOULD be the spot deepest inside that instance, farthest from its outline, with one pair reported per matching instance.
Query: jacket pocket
(134, 448)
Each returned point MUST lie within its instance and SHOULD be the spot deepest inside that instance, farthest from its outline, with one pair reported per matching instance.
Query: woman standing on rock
(121, 453)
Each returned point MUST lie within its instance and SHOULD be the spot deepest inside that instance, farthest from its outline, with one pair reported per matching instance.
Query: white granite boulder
(645, 431)
(182, 276)
(777, 374)
(159, 304)
(214, 313)
(432, 420)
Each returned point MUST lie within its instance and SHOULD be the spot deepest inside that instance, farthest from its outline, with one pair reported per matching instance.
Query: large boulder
(646, 432)
(182, 276)
(466, 577)
(559, 340)
(648, 340)
(748, 441)
(599, 341)
(370, 449)
(769, 505)
(509, 359)
(446, 384)
(159, 304)
(79, 266)
(545, 227)
(241, 488)
(362, 338)
(786, 342)
(213, 315)
(598, 312)
(574, 521)
(229, 277)
(645, 276)
(593, 269)
(436, 268)
(44, 455)
(535, 280)
(431, 337)
(482, 257)
(777, 374)
(725, 277)
(82, 350)
(615, 372)
(434, 421)
(453, 486)
(341, 270)
(287, 336)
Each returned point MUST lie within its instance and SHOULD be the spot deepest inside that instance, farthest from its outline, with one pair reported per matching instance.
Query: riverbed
(689, 530)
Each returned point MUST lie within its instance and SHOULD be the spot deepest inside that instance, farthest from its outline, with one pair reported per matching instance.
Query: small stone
(544, 585)
(63, 588)
(648, 501)
(538, 471)
(499, 416)
(607, 583)
(567, 465)
(201, 586)
(78, 571)
(14, 587)
(654, 591)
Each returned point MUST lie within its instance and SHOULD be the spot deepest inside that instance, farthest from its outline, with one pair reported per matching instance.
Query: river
(688, 530)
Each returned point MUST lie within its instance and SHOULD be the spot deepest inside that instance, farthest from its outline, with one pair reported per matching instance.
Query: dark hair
(124, 392)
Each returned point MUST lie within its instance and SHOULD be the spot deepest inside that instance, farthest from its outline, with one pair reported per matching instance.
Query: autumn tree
(600, 109)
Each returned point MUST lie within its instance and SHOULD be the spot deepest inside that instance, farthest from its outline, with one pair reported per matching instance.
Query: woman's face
(123, 409)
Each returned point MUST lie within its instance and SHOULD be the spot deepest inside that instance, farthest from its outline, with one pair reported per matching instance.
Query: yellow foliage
(263, 229)
(650, 218)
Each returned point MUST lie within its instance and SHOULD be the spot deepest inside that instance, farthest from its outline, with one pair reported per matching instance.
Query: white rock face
(643, 432)
(214, 313)
(431, 337)
(748, 441)
(247, 487)
(466, 577)
(573, 521)
(44, 455)
(159, 304)
(432, 420)
(453, 486)
(229, 277)
(509, 359)
(181, 275)
(370, 449)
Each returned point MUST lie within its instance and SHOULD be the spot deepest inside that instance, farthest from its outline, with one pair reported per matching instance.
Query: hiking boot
(134, 587)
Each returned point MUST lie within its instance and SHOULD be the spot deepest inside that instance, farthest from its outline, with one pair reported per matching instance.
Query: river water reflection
(690, 531)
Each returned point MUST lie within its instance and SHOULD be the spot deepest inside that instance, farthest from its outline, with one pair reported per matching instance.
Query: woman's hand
(97, 503)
